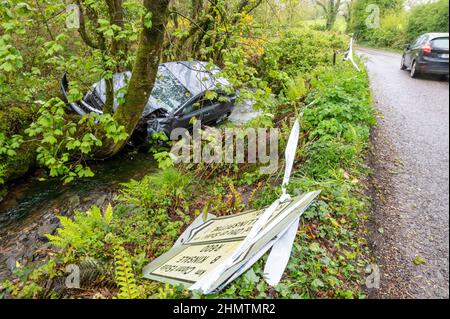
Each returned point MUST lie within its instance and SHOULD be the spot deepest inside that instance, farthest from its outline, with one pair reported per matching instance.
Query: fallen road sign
(212, 253)
(215, 251)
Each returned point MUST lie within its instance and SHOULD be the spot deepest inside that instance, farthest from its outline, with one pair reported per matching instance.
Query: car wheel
(414, 72)
(403, 66)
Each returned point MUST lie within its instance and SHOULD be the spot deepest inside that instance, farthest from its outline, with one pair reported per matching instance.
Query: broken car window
(168, 91)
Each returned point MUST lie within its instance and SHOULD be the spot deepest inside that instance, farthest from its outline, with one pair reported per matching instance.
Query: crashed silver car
(177, 97)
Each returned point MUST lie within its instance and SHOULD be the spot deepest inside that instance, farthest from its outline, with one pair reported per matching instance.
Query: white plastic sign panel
(206, 247)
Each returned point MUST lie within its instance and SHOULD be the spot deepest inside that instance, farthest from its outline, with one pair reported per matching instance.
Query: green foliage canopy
(361, 11)
(430, 17)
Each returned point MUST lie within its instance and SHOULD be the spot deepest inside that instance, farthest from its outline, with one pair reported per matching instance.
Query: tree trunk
(118, 49)
(144, 72)
(116, 17)
(331, 10)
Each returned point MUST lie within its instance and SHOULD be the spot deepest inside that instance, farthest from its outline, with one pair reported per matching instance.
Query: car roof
(436, 35)
(197, 77)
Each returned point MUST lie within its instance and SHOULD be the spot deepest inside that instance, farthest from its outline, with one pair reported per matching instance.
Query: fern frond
(125, 278)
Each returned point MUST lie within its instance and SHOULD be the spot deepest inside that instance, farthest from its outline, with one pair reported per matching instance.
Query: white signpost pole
(349, 56)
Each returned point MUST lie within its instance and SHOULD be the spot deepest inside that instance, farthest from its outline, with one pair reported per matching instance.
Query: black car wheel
(414, 72)
(403, 66)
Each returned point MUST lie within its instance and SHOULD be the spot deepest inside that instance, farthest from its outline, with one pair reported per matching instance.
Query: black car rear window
(441, 43)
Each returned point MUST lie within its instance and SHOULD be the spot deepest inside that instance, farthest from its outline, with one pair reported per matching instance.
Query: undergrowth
(329, 255)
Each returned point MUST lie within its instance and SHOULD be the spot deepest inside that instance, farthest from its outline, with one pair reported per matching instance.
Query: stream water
(28, 197)
(31, 196)
(32, 205)
(30, 209)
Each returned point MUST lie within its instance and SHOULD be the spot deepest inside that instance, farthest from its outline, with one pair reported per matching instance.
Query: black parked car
(429, 54)
(177, 97)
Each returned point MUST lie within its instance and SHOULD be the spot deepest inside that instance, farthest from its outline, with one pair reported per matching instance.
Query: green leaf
(148, 20)
(109, 214)
(50, 139)
(315, 247)
(419, 261)
(251, 277)
(11, 153)
(317, 284)
(210, 95)
(7, 67)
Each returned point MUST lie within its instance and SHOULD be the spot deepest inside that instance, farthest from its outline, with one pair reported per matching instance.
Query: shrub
(297, 54)
(160, 190)
(391, 33)
(396, 26)
(85, 232)
(338, 122)
(429, 17)
(360, 14)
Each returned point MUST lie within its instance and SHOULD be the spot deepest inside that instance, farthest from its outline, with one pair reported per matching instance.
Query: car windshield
(441, 44)
(168, 91)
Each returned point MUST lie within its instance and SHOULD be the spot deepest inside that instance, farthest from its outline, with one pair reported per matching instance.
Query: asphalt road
(410, 157)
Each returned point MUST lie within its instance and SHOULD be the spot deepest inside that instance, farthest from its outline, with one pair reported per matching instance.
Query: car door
(184, 116)
(409, 55)
(212, 110)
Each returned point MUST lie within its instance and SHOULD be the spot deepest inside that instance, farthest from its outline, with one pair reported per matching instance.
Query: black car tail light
(427, 49)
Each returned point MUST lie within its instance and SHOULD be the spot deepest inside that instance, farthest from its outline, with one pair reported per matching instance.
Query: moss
(3, 122)
(22, 163)
(15, 119)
